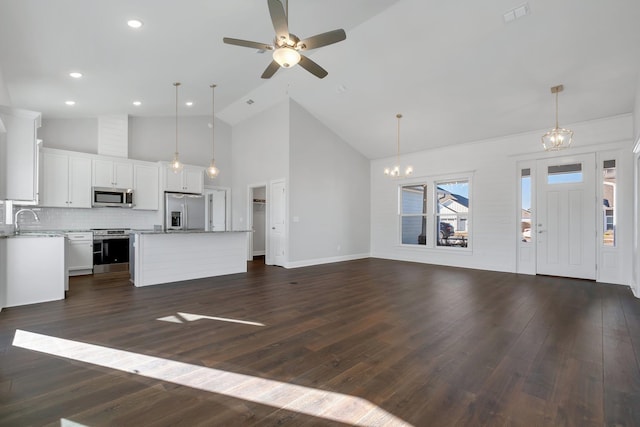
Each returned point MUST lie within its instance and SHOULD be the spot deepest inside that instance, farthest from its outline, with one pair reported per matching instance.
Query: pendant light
(557, 138)
(212, 170)
(176, 166)
(394, 171)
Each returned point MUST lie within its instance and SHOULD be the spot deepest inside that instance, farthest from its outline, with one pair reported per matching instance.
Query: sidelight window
(609, 203)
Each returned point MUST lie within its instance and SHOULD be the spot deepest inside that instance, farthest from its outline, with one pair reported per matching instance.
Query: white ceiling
(453, 68)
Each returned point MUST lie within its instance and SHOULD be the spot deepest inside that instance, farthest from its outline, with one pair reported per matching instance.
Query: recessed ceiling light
(137, 103)
(75, 75)
(134, 23)
(189, 103)
(70, 103)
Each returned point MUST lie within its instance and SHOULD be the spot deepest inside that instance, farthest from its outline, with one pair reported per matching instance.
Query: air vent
(517, 13)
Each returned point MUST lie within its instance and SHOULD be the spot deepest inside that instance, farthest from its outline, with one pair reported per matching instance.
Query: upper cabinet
(19, 155)
(145, 187)
(66, 180)
(189, 180)
(112, 173)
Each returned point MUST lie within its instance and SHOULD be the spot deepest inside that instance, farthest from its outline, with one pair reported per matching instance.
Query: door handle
(273, 228)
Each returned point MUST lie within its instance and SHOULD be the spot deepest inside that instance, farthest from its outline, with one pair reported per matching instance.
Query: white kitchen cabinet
(66, 180)
(112, 174)
(19, 155)
(145, 187)
(79, 253)
(189, 180)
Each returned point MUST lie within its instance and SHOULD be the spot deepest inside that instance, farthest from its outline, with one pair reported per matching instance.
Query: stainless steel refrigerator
(184, 211)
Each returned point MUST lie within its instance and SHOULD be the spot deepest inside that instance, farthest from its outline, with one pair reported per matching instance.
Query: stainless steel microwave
(112, 197)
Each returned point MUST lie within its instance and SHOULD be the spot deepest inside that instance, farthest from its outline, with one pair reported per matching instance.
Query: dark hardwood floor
(367, 342)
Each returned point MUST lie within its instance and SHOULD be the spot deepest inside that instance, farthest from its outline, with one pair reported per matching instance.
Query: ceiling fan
(286, 46)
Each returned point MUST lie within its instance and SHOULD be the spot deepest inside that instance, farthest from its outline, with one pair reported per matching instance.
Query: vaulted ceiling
(455, 69)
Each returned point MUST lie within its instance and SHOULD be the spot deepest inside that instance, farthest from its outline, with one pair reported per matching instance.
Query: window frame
(431, 215)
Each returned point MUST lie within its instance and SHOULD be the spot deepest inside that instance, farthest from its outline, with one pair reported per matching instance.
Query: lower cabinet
(80, 253)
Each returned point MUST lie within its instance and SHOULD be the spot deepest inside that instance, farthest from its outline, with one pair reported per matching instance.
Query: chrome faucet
(15, 218)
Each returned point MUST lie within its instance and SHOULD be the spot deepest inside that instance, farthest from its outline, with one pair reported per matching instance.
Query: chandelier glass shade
(212, 170)
(176, 166)
(396, 171)
(557, 138)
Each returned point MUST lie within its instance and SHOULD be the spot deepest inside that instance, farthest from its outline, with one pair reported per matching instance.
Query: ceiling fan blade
(324, 39)
(312, 67)
(279, 19)
(270, 70)
(247, 43)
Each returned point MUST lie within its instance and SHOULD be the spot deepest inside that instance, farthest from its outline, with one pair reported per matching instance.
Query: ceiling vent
(516, 13)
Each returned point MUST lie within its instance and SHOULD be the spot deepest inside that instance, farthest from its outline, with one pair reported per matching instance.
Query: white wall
(636, 234)
(260, 153)
(329, 193)
(151, 139)
(5, 99)
(70, 134)
(493, 194)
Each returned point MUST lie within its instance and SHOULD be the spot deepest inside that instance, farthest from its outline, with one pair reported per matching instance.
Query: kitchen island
(173, 256)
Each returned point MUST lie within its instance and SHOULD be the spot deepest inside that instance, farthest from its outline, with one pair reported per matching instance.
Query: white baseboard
(258, 253)
(319, 261)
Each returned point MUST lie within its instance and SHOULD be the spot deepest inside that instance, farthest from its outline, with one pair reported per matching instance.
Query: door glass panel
(564, 174)
(609, 203)
(525, 205)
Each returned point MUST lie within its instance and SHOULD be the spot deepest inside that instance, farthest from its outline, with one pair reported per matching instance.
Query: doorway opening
(257, 248)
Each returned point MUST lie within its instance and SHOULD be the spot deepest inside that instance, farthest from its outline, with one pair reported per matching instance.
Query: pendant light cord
(557, 111)
(176, 85)
(213, 119)
(399, 116)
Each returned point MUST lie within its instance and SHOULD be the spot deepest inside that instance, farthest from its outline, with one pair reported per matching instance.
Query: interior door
(277, 223)
(566, 217)
(217, 208)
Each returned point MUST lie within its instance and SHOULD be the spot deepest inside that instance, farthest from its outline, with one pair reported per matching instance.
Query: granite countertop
(34, 232)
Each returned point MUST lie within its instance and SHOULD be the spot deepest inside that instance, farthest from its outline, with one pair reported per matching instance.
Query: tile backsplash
(85, 219)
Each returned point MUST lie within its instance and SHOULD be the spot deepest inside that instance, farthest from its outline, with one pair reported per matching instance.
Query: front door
(566, 217)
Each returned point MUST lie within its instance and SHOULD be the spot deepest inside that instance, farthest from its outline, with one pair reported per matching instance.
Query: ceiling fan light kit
(286, 57)
(287, 47)
(557, 138)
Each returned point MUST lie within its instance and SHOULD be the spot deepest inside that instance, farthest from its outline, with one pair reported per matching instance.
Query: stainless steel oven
(110, 250)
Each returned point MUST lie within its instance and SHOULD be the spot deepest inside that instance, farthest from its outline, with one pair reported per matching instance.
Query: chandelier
(395, 171)
(557, 138)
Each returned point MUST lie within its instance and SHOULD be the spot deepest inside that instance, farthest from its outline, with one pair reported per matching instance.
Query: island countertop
(186, 231)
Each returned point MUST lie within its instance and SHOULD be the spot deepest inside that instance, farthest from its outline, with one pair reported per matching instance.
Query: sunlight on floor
(68, 423)
(187, 317)
(317, 403)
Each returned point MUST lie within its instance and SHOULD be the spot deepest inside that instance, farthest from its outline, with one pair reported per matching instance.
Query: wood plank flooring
(367, 342)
